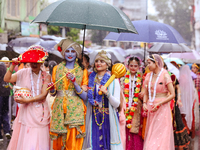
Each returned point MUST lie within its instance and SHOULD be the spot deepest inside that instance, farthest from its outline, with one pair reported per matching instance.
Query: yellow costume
(67, 127)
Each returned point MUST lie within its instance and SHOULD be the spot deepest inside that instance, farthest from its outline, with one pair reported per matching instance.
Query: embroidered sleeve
(85, 77)
(167, 78)
(54, 74)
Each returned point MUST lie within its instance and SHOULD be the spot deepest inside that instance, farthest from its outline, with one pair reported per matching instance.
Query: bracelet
(79, 92)
(10, 70)
(53, 92)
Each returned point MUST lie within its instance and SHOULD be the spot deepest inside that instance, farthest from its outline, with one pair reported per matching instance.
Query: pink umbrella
(194, 55)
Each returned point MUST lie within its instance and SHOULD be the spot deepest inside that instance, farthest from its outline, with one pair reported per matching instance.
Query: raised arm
(9, 77)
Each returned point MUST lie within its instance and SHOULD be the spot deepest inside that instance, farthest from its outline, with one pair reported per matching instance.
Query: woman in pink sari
(159, 92)
(31, 126)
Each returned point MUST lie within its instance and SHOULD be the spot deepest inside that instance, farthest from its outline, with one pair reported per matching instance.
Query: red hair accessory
(59, 49)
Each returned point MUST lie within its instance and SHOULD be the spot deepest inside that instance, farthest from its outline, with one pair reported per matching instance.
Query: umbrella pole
(144, 52)
(83, 40)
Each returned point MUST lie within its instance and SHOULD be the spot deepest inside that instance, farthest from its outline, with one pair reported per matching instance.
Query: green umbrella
(86, 14)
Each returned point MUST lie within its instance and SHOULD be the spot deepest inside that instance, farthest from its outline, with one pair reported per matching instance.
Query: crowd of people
(144, 110)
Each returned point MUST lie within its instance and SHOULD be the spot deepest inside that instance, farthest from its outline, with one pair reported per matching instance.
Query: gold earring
(76, 59)
(95, 70)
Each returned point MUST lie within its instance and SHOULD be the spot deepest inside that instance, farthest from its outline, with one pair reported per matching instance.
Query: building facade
(134, 9)
(14, 12)
(197, 24)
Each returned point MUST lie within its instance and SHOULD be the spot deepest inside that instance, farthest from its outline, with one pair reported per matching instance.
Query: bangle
(53, 92)
(79, 92)
(10, 70)
(144, 102)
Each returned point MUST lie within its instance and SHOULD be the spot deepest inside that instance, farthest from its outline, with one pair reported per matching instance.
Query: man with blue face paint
(67, 127)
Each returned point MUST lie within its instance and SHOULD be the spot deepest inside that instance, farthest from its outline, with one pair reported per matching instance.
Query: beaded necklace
(155, 85)
(38, 92)
(98, 98)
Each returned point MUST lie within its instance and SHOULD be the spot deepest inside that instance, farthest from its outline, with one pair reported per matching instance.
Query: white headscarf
(187, 93)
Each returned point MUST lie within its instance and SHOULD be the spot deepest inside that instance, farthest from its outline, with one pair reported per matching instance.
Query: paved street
(195, 143)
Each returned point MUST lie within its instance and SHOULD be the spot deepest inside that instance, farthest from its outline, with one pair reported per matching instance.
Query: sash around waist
(60, 93)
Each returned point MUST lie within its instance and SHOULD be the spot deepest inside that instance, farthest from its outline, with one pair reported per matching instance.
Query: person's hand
(145, 107)
(141, 95)
(15, 61)
(179, 103)
(22, 100)
(71, 77)
(155, 107)
(51, 85)
(84, 88)
(103, 89)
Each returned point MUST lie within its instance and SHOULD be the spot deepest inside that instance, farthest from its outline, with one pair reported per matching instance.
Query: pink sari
(31, 127)
(159, 130)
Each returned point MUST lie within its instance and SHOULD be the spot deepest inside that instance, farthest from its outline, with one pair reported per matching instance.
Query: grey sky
(151, 9)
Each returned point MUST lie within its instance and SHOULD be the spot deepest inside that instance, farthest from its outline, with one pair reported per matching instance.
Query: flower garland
(130, 109)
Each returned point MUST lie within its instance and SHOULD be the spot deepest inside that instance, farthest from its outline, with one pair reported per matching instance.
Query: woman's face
(70, 54)
(35, 66)
(194, 69)
(152, 66)
(133, 67)
(100, 65)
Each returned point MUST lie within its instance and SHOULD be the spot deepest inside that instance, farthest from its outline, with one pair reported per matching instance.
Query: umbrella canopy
(193, 55)
(117, 49)
(23, 42)
(177, 60)
(48, 45)
(172, 69)
(169, 48)
(86, 14)
(135, 52)
(149, 32)
(115, 56)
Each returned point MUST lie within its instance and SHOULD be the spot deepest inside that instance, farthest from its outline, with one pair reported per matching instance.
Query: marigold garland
(130, 111)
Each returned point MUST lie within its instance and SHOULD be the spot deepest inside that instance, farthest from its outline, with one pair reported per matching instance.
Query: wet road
(195, 143)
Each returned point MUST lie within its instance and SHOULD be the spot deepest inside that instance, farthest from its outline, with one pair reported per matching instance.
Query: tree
(177, 14)
(53, 30)
(73, 33)
(1, 31)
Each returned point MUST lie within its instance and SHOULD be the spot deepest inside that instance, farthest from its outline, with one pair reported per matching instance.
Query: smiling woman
(67, 128)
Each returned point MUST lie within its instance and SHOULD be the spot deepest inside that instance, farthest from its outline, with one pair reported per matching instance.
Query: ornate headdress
(34, 54)
(103, 55)
(195, 65)
(64, 44)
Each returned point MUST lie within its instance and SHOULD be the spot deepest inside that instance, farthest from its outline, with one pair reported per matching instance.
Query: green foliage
(53, 30)
(177, 14)
(1, 31)
(73, 33)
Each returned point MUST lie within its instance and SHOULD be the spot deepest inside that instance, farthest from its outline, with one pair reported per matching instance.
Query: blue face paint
(70, 54)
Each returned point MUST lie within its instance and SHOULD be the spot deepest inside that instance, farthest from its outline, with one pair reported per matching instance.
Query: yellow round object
(119, 70)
